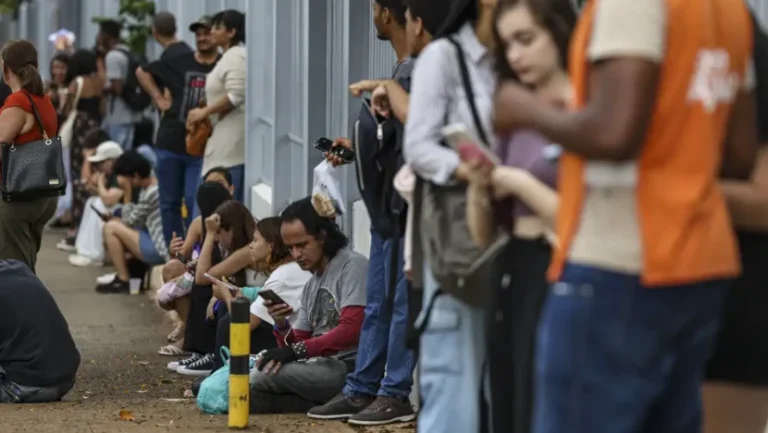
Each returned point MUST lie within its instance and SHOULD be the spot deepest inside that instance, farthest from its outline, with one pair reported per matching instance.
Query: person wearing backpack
(125, 99)
(371, 395)
(453, 82)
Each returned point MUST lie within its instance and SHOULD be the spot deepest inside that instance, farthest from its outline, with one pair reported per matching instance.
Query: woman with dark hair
(56, 88)
(22, 223)
(225, 98)
(84, 103)
(531, 48)
(228, 231)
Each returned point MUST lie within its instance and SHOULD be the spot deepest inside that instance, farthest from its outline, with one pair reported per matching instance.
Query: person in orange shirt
(663, 106)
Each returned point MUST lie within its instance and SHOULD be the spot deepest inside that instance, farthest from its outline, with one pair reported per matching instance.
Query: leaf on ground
(126, 415)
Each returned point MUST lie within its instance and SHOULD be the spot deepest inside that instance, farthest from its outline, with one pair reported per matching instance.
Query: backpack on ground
(133, 94)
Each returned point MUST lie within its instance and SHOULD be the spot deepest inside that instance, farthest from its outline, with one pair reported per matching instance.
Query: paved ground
(118, 337)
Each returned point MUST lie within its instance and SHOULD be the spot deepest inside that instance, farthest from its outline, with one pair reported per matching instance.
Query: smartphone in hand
(326, 145)
(469, 148)
(231, 288)
(271, 296)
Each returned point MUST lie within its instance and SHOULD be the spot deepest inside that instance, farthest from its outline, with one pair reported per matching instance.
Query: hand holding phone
(337, 150)
(271, 296)
(231, 288)
(469, 148)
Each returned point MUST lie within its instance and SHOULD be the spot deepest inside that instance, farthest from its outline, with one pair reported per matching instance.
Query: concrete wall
(302, 56)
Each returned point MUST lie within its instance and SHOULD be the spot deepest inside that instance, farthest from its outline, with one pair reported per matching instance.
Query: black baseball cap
(203, 21)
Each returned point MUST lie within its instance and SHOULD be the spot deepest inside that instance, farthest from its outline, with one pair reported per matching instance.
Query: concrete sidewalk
(118, 337)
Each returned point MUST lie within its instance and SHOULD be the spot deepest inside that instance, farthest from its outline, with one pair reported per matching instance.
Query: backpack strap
(468, 89)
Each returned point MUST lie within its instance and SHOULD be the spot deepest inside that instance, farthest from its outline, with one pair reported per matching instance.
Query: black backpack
(133, 94)
(378, 148)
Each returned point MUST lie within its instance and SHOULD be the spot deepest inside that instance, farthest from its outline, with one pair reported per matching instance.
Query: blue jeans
(383, 336)
(122, 134)
(616, 357)
(452, 364)
(178, 177)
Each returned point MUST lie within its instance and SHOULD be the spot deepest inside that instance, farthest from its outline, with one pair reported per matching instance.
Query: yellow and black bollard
(240, 349)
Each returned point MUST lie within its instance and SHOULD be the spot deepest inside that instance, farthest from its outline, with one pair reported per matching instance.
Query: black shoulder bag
(33, 170)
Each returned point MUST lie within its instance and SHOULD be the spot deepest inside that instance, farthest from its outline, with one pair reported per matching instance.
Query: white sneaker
(106, 278)
(82, 261)
(64, 245)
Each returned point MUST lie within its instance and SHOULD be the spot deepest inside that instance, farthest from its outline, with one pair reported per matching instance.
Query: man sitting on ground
(38, 358)
(314, 354)
(140, 231)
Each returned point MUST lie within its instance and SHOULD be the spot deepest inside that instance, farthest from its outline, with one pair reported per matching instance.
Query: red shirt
(44, 107)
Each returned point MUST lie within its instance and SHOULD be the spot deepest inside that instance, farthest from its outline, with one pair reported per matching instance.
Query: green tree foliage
(9, 6)
(136, 18)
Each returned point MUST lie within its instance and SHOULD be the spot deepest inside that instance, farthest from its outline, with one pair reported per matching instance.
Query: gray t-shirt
(116, 63)
(341, 285)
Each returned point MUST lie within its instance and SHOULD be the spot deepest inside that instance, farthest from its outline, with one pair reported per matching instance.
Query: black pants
(261, 338)
(200, 332)
(518, 291)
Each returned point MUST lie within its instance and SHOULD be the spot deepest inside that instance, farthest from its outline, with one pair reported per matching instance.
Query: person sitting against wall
(139, 231)
(176, 293)
(315, 352)
(224, 254)
(105, 198)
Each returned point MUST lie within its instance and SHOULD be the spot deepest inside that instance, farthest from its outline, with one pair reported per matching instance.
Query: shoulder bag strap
(467, 83)
(79, 81)
(38, 119)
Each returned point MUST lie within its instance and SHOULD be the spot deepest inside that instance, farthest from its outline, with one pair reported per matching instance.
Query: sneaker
(115, 286)
(82, 261)
(106, 278)
(340, 407)
(261, 402)
(67, 244)
(201, 367)
(175, 365)
(384, 410)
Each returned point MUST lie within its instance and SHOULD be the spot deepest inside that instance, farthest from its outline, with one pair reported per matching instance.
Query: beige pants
(21, 229)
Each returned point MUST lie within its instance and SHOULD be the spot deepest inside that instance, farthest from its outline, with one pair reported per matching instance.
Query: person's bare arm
(233, 264)
(148, 83)
(741, 145)
(109, 196)
(748, 200)
(194, 234)
(398, 100)
(479, 215)
(538, 196)
(12, 122)
(205, 261)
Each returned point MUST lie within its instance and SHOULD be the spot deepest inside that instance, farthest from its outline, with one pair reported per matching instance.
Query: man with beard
(176, 83)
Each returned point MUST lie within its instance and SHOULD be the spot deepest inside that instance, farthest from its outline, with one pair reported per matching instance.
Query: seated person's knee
(111, 225)
(173, 269)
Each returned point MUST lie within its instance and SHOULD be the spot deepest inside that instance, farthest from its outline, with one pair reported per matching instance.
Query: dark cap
(204, 21)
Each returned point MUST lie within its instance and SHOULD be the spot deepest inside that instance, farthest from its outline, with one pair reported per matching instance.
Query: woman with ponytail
(22, 223)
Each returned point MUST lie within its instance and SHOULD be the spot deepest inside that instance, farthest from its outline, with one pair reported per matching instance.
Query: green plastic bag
(213, 397)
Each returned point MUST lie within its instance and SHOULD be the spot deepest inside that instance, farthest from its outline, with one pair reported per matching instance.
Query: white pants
(90, 236)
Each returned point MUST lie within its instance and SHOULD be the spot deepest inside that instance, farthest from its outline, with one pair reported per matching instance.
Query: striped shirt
(145, 215)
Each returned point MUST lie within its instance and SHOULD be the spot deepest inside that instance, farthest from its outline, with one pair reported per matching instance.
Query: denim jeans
(178, 177)
(383, 335)
(452, 365)
(614, 356)
(122, 134)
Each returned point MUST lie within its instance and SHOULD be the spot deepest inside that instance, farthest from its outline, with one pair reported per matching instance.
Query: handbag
(198, 134)
(33, 170)
(460, 267)
(67, 127)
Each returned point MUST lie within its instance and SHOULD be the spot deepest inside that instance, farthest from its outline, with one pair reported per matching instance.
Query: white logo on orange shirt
(713, 82)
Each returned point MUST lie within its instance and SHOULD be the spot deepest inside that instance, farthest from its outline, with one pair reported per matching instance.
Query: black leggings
(518, 291)
(200, 332)
(261, 338)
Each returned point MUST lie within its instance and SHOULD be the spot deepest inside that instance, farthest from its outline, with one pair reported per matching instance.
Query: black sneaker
(340, 407)
(201, 367)
(116, 286)
(261, 402)
(174, 365)
(385, 410)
